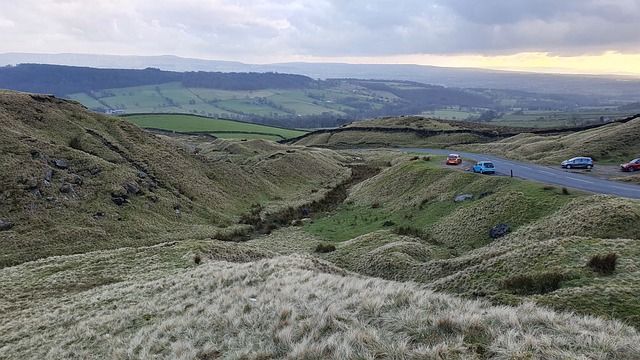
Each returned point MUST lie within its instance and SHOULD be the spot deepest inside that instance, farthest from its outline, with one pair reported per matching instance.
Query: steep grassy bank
(75, 181)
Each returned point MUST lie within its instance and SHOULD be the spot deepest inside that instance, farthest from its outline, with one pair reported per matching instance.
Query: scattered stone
(52, 199)
(66, 188)
(48, 175)
(6, 225)
(499, 231)
(118, 200)
(47, 183)
(95, 171)
(132, 189)
(142, 174)
(36, 192)
(34, 154)
(98, 215)
(388, 223)
(61, 164)
(463, 197)
(152, 198)
(77, 179)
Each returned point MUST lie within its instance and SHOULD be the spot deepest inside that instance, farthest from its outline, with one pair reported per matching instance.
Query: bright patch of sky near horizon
(569, 36)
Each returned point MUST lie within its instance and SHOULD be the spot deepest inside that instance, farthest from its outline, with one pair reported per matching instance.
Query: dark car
(580, 162)
(632, 165)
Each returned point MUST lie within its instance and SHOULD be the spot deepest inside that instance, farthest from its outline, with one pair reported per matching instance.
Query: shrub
(409, 231)
(565, 191)
(197, 259)
(540, 283)
(325, 248)
(603, 264)
(75, 143)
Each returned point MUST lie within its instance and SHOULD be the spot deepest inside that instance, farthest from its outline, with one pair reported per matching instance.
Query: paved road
(548, 175)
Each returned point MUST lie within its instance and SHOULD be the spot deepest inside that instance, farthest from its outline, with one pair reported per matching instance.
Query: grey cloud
(322, 28)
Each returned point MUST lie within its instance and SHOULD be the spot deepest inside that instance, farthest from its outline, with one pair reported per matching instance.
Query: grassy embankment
(140, 282)
(228, 129)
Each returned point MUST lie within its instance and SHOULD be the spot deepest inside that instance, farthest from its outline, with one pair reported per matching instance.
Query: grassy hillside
(282, 251)
(285, 307)
(615, 143)
(76, 181)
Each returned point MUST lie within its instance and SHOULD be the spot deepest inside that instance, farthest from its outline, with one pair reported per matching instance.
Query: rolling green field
(216, 127)
(175, 98)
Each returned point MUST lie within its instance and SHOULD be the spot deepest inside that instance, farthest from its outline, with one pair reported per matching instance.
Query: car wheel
(631, 168)
(589, 166)
(481, 171)
(568, 166)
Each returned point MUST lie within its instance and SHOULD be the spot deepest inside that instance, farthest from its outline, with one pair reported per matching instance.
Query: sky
(567, 36)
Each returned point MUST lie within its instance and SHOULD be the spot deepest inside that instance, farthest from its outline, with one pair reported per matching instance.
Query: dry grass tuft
(603, 264)
(289, 307)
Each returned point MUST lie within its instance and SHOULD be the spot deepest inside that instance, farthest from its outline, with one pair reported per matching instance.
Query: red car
(632, 165)
(453, 159)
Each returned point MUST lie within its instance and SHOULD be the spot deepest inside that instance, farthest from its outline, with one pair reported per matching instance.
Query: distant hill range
(624, 87)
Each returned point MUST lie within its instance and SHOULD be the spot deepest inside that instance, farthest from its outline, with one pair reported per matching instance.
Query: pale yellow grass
(612, 140)
(287, 308)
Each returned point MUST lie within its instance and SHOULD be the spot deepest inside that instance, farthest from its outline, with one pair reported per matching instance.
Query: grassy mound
(615, 142)
(295, 307)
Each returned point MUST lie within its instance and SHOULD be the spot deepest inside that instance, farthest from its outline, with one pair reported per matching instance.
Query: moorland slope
(98, 263)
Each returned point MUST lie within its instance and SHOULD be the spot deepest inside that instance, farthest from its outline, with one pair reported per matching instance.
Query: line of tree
(61, 80)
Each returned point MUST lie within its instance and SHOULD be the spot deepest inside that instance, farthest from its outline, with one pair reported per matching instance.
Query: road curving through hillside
(545, 174)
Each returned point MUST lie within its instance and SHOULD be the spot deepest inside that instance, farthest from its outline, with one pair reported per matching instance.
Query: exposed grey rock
(77, 179)
(142, 174)
(6, 225)
(66, 188)
(499, 230)
(48, 175)
(61, 164)
(132, 188)
(95, 171)
(463, 197)
(118, 200)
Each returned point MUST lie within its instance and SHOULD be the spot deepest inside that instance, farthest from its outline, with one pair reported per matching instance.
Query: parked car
(453, 159)
(632, 165)
(484, 167)
(582, 162)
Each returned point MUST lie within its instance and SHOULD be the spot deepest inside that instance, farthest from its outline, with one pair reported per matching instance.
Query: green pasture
(218, 127)
(86, 100)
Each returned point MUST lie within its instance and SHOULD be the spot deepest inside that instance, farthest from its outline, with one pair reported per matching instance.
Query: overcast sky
(576, 35)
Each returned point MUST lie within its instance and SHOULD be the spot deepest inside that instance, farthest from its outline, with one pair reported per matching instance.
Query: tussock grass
(297, 307)
(614, 142)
